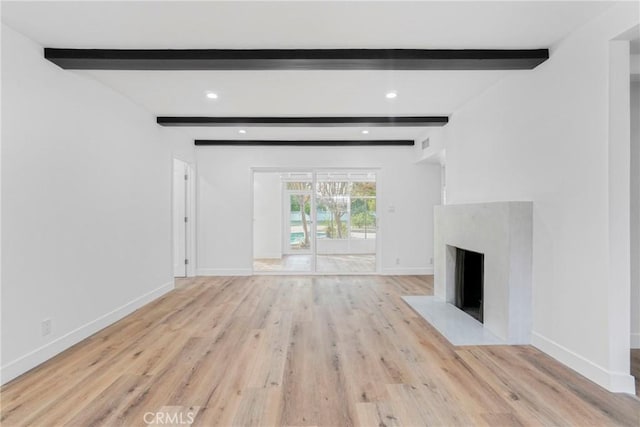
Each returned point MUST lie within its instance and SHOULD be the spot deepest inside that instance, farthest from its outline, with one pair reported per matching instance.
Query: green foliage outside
(363, 213)
(332, 230)
(295, 206)
(363, 189)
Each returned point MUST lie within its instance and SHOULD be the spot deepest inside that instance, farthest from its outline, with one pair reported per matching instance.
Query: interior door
(180, 170)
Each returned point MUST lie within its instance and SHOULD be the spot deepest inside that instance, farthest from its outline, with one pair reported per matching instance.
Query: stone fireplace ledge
(455, 325)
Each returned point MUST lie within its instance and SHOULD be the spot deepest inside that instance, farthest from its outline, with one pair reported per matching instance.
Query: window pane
(363, 189)
(299, 222)
(333, 208)
(363, 218)
(332, 218)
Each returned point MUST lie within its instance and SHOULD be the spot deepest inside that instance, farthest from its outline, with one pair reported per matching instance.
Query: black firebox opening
(469, 282)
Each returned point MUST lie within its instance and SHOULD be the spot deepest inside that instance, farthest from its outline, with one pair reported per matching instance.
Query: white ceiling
(299, 92)
(304, 24)
(239, 24)
(293, 133)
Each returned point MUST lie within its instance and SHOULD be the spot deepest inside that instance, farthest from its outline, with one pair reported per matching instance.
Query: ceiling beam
(374, 121)
(297, 59)
(306, 143)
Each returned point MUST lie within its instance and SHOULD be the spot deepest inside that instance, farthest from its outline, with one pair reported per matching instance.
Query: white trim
(617, 382)
(224, 272)
(635, 340)
(407, 271)
(34, 358)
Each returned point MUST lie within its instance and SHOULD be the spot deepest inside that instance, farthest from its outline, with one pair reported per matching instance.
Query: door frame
(314, 171)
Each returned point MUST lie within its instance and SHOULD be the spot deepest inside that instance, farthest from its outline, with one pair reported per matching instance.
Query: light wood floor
(301, 351)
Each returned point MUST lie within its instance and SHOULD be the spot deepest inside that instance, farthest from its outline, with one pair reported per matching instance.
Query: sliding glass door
(328, 222)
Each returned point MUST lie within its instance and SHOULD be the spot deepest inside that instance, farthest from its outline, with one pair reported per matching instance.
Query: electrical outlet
(46, 327)
(397, 261)
(430, 261)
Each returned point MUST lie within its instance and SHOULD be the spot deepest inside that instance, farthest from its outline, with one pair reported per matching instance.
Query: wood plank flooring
(300, 351)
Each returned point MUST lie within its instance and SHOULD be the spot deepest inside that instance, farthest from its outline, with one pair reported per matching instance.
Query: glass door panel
(299, 230)
(297, 235)
(346, 222)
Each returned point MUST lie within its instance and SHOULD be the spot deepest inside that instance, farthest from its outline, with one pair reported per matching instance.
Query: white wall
(267, 217)
(542, 135)
(635, 214)
(86, 206)
(181, 145)
(224, 202)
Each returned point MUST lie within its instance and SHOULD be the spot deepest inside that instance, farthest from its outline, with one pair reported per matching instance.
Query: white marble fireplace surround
(502, 231)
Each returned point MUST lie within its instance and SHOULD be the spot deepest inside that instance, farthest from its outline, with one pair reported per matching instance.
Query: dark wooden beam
(305, 143)
(374, 121)
(297, 59)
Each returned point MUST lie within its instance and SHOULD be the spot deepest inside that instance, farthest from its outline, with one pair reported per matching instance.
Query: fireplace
(469, 282)
(500, 233)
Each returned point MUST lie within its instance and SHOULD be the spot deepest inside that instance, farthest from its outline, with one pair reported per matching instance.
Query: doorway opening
(315, 222)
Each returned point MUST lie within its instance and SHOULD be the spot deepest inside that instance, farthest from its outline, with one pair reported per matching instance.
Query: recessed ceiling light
(242, 131)
(365, 131)
(212, 95)
(391, 95)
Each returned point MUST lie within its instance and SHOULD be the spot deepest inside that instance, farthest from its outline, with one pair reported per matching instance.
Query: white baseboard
(635, 340)
(34, 358)
(224, 272)
(407, 271)
(617, 382)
